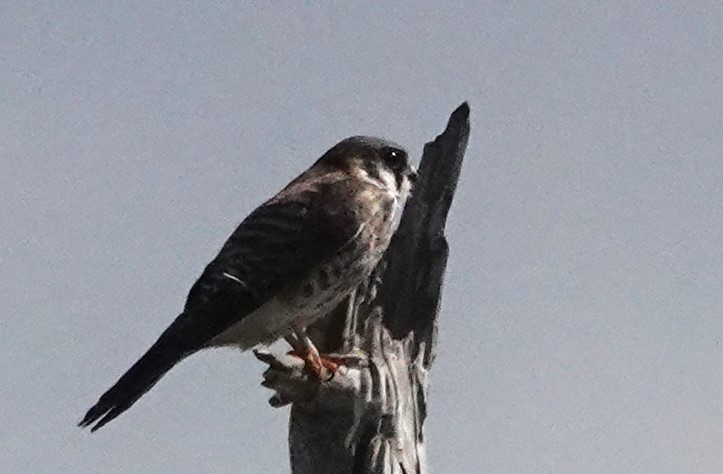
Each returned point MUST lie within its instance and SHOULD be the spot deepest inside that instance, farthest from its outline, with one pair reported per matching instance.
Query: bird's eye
(395, 157)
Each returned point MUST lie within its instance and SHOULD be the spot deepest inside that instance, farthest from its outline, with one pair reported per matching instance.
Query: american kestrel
(290, 262)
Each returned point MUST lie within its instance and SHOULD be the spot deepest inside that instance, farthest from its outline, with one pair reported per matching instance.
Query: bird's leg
(305, 349)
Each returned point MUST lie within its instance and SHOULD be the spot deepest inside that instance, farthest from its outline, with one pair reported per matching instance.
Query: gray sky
(581, 323)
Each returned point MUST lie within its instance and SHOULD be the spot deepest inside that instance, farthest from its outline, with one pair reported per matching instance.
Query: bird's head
(378, 161)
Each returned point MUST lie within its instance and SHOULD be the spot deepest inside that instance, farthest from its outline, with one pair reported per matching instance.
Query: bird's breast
(330, 282)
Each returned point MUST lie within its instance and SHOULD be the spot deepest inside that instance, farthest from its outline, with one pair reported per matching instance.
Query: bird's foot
(294, 381)
(323, 367)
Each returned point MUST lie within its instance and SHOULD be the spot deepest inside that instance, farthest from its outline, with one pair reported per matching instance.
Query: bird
(287, 264)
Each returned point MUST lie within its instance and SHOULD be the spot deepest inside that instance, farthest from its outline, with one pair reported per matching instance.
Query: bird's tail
(167, 351)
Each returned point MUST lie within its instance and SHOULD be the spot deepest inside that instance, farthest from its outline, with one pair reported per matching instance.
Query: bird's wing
(276, 245)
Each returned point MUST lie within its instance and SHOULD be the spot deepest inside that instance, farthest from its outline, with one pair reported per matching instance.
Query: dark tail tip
(131, 386)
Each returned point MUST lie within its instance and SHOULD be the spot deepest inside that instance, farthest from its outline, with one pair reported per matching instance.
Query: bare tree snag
(370, 417)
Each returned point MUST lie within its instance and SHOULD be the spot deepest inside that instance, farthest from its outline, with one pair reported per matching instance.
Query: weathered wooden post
(370, 417)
